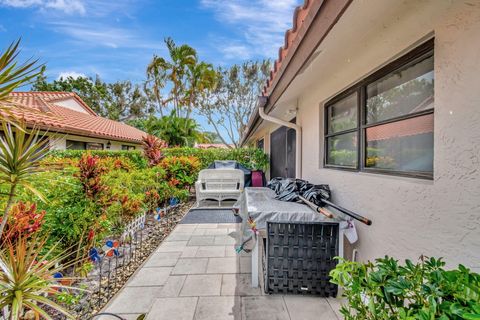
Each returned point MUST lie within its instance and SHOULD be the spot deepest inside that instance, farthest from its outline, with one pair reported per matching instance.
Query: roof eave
(321, 17)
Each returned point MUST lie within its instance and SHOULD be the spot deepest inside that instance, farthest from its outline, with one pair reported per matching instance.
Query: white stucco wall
(410, 216)
(71, 104)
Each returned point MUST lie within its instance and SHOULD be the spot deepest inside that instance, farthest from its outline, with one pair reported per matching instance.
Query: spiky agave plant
(20, 154)
(13, 74)
(27, 278)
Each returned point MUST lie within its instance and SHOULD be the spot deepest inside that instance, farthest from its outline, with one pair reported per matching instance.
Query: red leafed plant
(90, 175)
(152, 149)
(24, 221)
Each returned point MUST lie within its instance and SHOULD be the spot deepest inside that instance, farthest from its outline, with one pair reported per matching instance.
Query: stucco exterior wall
(439, 217)
(411, 216)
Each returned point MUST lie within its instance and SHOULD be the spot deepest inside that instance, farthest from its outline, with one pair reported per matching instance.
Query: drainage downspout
(298, 137)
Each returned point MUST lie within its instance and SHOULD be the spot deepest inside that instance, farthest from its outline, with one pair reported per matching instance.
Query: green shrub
(181, 172)
(252, 158)
(423, 291)
(135, 156)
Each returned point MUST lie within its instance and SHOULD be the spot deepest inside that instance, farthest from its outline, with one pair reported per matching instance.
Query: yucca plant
(20, 156)
(28, 278)
(13, 74)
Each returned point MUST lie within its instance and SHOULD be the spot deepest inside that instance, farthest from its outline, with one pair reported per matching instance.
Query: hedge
(252, 158)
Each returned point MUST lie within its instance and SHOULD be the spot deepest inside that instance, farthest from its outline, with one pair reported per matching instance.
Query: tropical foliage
(386, 289)
(20, 155)
(178, 81)
(14, 74)
(27, 279)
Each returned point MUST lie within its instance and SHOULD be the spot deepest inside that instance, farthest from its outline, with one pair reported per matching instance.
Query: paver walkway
(195, 274)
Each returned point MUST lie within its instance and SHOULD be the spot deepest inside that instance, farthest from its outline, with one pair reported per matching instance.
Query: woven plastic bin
(299, 257)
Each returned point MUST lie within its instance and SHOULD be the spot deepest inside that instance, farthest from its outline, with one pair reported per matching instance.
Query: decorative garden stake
(93, 255)
(111, 248)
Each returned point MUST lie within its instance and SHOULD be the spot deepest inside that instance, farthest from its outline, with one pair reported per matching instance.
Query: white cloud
(261, 23)
(100, 34)
(2, 28)
(73, 74)
(65, 6)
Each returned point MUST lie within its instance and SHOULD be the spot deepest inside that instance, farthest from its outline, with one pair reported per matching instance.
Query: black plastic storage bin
(299, 257)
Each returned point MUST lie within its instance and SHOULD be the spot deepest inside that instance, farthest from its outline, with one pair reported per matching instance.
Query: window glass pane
(342, 115)
(76, 145)
(405, 145)
(342, 150)
(402, 92)
(94, 146)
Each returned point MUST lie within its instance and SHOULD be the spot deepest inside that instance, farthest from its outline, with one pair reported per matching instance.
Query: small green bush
(424, 291)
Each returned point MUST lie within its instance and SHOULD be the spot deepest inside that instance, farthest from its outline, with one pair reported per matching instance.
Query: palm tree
(184, 74)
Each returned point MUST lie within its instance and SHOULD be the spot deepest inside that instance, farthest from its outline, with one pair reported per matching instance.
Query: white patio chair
(219, 184)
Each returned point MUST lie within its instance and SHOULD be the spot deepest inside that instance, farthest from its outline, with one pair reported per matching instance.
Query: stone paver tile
(172, 246)
(238, 285)
(210, 252)
(190, 266)
(223, 265)
(146, 277)
(218, 308)
(185, 228)
(336, 304)
(246, 264)
(264, 308)
(224, 240)
(173, 286)
(178, 237)
(207, 225)
(201, 241)
(134, 300)
(162, 259)
(173, 308)
(126, 316)
(228, 225)
(202, 285)
(199, 232)
(308, 308)
(216, 232)
(189, 252)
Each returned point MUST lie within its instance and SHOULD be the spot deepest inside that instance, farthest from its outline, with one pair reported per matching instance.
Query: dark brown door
(282, 153)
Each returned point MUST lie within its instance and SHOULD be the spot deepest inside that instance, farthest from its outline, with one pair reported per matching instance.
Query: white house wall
(439, 217)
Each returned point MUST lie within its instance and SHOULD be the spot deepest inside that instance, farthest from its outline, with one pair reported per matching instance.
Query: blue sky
(117, 38)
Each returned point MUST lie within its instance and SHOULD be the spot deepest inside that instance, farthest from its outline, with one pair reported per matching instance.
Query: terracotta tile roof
(299, 16)
(212, 146)
(40, 109)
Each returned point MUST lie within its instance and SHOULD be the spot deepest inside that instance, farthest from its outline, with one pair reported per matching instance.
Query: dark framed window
(76, 145)
(384, 124)
(127, 147)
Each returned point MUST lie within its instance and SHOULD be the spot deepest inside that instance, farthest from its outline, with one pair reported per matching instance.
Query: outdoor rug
(210, 216)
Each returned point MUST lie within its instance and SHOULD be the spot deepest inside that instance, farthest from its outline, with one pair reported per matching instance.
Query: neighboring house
(381, 100)
(71, 123)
